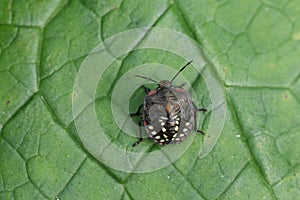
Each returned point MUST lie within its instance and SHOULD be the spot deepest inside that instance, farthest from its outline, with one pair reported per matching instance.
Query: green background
(255, 45)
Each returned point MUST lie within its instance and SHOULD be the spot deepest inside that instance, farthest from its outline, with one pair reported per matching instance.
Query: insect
(169, 114)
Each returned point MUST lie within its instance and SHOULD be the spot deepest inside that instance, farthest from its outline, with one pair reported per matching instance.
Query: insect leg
(199, 131)
(138, 112)
(140, 133)
(147, 90)
(199, 109)
(195, 117)
(202, 109)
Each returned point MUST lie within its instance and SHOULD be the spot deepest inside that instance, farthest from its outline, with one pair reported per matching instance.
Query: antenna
(181, 70)
(144, 77)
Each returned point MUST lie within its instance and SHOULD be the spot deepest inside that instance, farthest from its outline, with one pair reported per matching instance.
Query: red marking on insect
(151, 93)
(179, 89)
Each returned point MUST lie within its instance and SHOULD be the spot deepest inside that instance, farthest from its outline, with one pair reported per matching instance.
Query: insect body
(169, 113)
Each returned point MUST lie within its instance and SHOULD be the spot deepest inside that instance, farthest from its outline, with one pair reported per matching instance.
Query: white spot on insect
(162, 140)
(157, 137)
(187, 123)
(162, 117)
(150, 127)
(174, 117)
(153, 132)
(164, 129)
(167, 139)
(176, 128)
(173, 138)
(185, 130)
(172, 124)
(175, 135)
(181, 135)
(177, 122)
(162, 124)
(177, 139)
(165, 136)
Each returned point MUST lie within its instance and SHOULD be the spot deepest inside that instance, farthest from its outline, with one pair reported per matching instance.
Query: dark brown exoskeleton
(169, 113)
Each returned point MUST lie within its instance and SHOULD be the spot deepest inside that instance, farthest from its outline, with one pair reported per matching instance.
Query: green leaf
(252, 48)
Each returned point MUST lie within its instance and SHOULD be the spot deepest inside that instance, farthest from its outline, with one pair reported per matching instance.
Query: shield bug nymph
(169, 114)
